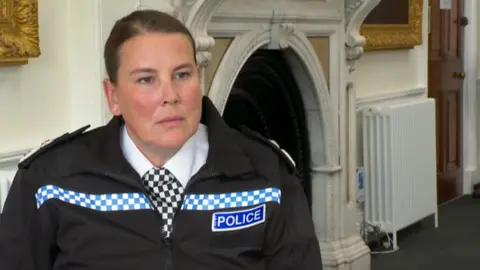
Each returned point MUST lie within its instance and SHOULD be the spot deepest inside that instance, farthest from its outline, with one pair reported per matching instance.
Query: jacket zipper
(168, 241)
(193, 180)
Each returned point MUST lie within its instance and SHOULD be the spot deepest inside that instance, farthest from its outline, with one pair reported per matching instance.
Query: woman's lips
(171, 121)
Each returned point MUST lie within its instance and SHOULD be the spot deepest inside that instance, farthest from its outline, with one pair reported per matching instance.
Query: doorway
(445, 84)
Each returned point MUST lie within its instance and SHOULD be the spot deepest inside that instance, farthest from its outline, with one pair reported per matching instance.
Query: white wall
(60, 90)
(388, 72)
(393, 71)
(34, 99)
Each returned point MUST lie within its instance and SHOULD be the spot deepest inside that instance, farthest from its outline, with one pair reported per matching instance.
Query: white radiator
(399, 155)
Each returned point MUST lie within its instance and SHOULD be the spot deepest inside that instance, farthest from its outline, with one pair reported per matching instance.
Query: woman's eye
(145, 80)
(182, 75)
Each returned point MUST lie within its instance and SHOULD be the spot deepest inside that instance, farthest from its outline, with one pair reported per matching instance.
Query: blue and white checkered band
(98, 202)
(230, 200)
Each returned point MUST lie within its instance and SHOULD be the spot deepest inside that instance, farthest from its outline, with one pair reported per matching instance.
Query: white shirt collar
(184, 164)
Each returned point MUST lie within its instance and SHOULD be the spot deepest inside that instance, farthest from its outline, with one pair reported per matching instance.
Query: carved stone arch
(239, 51)
(197, 20)
(304, 51)
(241, 48)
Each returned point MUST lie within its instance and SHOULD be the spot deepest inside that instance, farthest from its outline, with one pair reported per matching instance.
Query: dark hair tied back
(134, 24)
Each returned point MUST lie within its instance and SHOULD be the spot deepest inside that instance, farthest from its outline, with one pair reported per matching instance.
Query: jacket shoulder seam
(47, 145)
(273, 145)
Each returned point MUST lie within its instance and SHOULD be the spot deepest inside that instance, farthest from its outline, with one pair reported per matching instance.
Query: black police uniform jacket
(77, 204)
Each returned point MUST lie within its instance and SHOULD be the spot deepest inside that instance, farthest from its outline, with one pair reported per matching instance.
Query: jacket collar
(225, 155)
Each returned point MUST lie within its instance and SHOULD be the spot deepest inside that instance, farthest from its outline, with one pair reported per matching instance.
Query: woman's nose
(169, 95)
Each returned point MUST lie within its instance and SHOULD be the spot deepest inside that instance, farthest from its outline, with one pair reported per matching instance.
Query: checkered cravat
(166, 192)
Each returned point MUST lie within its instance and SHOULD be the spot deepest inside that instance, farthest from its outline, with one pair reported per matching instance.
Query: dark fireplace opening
(266, 98)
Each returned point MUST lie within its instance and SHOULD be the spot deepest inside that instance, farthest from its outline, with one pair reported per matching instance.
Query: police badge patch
(237, 220)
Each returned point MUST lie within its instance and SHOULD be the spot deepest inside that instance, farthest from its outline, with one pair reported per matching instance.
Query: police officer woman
(166, 184)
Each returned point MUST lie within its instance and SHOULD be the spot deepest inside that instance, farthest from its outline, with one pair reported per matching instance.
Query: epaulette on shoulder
(272, 144)
(49, 144)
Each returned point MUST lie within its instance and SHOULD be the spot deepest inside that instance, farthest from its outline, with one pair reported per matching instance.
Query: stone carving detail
(203, 45)
(355, 13)
(196, 16)
(350, 7)
(279, 35)
(183, 8)
(163, 5)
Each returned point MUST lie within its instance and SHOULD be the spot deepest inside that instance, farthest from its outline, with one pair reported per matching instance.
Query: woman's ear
(111, 96)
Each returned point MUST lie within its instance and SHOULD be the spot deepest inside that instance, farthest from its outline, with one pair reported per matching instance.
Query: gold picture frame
(19, 31)
(396, 36)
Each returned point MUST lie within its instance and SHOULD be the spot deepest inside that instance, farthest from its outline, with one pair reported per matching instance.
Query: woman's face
(158, 90)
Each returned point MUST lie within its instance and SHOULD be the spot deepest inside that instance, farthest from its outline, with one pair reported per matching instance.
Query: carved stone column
(196, 15)
(355, 250)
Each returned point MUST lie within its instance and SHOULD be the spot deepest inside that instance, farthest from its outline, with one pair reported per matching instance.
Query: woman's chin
(172, 141)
